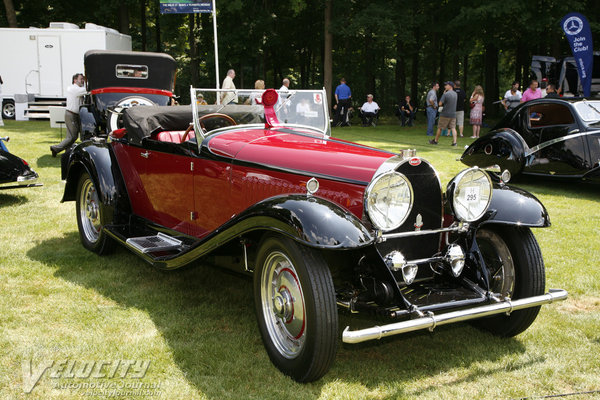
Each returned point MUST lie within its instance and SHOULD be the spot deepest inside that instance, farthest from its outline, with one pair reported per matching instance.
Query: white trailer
(37, 64)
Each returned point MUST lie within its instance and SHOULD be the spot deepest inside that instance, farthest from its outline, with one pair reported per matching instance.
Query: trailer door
(50, 66)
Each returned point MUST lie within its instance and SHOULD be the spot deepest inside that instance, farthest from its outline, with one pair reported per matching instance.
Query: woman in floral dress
(476, 110)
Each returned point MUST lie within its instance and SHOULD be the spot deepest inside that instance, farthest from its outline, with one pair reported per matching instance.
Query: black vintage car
(120, 79)
(14, 171)
(553, 137)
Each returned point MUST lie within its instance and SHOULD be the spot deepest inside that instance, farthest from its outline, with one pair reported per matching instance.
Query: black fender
(312, 221)
(513, 206)
(502, 147)
(97, 159)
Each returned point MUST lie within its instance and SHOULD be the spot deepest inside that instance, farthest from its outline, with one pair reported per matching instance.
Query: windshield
(589, 111)
(302, 108)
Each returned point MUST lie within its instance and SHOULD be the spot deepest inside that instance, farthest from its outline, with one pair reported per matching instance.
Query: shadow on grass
(206, 317)
(48, 161)
(557, 187)
(7, 200)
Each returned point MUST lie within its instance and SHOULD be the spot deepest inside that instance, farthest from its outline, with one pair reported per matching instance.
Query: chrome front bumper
(431, 321)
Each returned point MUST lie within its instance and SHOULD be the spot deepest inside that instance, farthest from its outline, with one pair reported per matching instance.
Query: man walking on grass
(448, 115)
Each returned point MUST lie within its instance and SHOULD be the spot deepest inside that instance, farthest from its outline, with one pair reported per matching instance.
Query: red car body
(319, 223)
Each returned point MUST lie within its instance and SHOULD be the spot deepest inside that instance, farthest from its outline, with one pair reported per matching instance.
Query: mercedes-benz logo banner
(578, 33)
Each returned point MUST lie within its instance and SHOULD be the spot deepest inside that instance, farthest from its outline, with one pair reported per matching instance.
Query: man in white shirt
(229, 97)
(368, 111)
(285, 85)
(75, 94)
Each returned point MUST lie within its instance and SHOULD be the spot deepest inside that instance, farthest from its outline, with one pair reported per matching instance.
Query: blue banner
(579, 35)
(185, 6)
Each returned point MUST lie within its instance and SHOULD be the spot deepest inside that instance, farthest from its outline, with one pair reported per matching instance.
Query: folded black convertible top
(145, 121)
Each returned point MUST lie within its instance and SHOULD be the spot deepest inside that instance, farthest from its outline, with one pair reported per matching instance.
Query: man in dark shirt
(460, 107)
(407, 112)
(551, 92)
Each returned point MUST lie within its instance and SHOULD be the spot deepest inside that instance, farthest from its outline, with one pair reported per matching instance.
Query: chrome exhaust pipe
(431, 321)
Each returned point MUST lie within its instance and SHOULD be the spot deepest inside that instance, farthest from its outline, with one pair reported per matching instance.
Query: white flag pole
(214, 13)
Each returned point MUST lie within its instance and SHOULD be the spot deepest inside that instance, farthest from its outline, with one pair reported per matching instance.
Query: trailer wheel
(8, 109)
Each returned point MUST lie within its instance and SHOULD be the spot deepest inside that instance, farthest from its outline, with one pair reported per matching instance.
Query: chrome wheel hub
(90, 211)
(283, 305)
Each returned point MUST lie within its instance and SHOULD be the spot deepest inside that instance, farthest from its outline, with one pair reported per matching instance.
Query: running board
(151, 244)
(431, 321)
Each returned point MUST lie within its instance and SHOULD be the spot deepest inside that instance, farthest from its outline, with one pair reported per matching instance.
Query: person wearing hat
(447, 118)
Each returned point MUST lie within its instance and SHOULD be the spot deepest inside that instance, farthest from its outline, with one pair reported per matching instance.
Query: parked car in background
(121, 79)
(320, 223)
(551, 137)
(14, 171)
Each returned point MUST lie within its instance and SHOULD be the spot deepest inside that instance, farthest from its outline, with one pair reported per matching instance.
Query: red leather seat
(173, 136)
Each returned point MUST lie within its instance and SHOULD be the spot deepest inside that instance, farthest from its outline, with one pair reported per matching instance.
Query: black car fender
(88, 122)
(97, 159)
(503, 147)
(513, 206)
(312, 221)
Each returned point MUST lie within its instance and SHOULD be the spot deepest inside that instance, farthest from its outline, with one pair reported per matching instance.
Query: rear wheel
(91, 217)
(516, 267)
(295, 308)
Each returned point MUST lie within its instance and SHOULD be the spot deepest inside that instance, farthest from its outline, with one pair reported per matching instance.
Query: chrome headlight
(471, 193)
(388, 200)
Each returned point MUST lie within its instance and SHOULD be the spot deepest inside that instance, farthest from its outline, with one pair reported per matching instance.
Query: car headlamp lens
(472, 194)
(389, 199)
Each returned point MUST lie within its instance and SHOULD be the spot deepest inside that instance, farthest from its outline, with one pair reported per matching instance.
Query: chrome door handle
(145, 155)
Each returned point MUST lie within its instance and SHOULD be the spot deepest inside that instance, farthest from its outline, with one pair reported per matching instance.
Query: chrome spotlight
(395, 261)
(456, 258)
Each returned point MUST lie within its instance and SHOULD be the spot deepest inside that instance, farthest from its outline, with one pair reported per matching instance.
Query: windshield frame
(325, 130)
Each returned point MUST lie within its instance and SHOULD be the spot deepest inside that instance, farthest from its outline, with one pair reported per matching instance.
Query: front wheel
(516, 268)
(295, 308)
(91, 217)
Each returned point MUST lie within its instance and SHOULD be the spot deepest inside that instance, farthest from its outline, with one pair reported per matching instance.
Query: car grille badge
(418, 222)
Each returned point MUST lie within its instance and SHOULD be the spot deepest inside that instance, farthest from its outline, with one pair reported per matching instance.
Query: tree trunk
(327, 59)
(455, 60)
(369, 74)
(400, 71)
(193, 54)
(443, 48)
(124, 18)
(465, 75)
(11, 15)
(491, 79)
(157, 24)
(414, 80)
(434, 55)
(143, 21)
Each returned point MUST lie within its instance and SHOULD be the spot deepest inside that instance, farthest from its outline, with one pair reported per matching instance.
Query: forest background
(390, 48)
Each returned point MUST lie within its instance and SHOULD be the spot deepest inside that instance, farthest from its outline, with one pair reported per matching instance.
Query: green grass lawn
(197, 327)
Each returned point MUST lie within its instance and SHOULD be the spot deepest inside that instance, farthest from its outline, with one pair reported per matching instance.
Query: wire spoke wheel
(91, 217)
(89, 213)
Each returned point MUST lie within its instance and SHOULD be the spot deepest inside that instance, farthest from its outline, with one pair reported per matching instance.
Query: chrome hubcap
(283, 305)
(90, 211)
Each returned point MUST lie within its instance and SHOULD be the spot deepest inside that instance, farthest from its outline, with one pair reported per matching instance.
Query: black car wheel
(295, 308)
(8, 109)
(90, 217)
(516, 267)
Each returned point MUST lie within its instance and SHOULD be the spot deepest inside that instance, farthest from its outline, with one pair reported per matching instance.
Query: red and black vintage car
(121, 79)
(320, 223)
